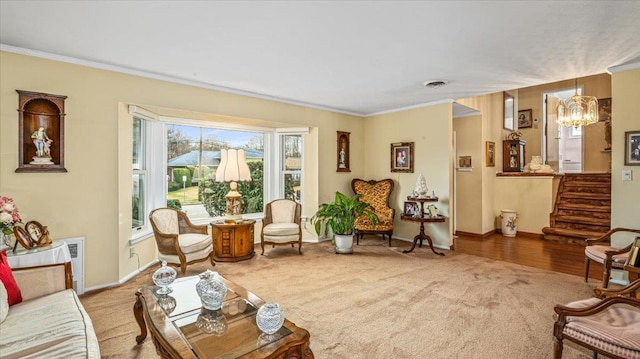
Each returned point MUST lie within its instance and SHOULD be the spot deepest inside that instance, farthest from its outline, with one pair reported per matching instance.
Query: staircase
(582, 208)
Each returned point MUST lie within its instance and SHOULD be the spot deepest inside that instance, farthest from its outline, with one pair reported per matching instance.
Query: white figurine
(421, 186)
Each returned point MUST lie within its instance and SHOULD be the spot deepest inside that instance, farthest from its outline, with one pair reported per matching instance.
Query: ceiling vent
(435, 84)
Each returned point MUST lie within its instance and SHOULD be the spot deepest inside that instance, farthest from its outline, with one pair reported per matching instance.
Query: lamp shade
(578, 110)
(233, 166)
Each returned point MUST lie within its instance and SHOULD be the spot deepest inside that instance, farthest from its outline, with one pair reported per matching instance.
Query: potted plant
(340, 216)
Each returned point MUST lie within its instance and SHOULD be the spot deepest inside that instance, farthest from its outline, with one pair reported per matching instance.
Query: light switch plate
(626, 175)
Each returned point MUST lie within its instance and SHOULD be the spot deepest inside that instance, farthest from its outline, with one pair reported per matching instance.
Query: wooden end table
(174, 321)
(422, 219)
(233, 242)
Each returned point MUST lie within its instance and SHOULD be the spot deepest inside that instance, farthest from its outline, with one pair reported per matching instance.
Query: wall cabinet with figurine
(513, 155)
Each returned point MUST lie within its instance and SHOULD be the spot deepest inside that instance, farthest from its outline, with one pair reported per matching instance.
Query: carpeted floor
(380, 303)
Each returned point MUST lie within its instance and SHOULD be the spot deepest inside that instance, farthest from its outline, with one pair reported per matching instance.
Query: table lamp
(233, 167)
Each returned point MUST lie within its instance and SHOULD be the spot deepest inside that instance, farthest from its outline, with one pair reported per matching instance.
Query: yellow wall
(625, 196)
(594, 159)
(468, 183)
(430, 130)
(82, 201)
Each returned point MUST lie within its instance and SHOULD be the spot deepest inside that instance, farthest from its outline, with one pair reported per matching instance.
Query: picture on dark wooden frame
(343, 152)
(411, 209)
(41, 132)
(524, 119)
(402, 157)
(632, 148)
(604, 109)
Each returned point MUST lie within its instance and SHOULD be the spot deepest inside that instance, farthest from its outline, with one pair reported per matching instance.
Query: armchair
(377, 194)
(281, 224)
(179, 241)
(599, 250)
(609, 326)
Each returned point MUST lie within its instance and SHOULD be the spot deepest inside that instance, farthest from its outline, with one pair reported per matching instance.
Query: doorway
(561, 146)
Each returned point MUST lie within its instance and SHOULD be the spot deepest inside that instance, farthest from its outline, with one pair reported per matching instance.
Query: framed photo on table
(402, 157)
(411, 209)
(632, 148)
(524, 119)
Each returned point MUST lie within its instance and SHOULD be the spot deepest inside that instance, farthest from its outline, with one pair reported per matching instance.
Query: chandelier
(578, 110)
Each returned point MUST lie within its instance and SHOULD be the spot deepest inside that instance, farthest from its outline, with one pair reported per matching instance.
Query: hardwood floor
(532, 252)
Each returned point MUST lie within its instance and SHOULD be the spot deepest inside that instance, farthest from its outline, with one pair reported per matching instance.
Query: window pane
(138, 201)
(194, 154)
(292, 186)
(292, 152)
(138, 153)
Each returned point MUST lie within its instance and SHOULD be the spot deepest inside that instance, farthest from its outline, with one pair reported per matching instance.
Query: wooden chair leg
(262, 246)
(586, 269)
(607, 274)
(300, 247)
(557, 348)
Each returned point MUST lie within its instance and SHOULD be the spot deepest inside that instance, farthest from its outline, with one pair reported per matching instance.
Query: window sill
(140, 237)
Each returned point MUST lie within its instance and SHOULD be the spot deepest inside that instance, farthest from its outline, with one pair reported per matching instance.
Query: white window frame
(281, 172)
(154, 147)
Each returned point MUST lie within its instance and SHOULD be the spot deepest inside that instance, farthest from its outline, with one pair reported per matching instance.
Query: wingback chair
(179, 241)
(377, 194)
(281, 224)
(609, 326)
(600, 250)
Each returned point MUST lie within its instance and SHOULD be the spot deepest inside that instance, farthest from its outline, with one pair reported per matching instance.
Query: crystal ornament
(211, 290)
(270, 318)
(163, 277)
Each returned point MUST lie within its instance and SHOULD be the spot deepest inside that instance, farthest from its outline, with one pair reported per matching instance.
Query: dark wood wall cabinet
(233, 242)
(513, 155)
(41, 132)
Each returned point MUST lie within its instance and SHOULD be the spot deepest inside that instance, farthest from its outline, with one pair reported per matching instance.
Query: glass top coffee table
(181, 328)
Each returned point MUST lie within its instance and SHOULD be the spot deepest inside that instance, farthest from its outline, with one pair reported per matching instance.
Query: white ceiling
(357, 57)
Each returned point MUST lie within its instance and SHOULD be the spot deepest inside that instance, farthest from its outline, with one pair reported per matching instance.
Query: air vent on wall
(435, 83)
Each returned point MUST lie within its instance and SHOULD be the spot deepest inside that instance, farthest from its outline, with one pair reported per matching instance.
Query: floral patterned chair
(377, 194)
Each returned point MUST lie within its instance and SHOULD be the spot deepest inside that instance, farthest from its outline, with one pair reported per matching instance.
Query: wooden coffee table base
(170, 343)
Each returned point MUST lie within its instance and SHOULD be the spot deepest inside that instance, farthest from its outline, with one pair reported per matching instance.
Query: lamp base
(234, 205)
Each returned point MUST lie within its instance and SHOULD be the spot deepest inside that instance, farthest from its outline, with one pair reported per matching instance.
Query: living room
(93, 198)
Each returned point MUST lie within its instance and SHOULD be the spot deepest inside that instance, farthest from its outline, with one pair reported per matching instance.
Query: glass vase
(270, 318)
(211, 290)
(163, 277)
(6, 241)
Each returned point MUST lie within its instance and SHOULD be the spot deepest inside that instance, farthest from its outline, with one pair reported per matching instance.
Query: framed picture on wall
(402, 157)
(524, 119)
(343, 152)
(509, 109)
(632, 148)
(604, 109)
(490, 148)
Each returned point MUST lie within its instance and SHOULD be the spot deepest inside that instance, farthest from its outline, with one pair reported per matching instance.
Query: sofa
(50, 321)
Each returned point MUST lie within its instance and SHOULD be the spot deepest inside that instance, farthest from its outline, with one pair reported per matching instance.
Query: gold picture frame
(402, 157)
(490, 155)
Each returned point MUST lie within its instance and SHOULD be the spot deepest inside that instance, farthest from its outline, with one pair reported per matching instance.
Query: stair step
(587, 177)
(586, 195)
(572, 232)
(584, 207)
(580, 219)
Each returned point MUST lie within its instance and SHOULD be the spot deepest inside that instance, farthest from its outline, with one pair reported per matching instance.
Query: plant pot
(344, 243)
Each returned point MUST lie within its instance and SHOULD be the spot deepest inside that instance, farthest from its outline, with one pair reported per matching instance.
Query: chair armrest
(606, 238)
(41, 280)
(186, 226)
(563, 311)
(630, 289)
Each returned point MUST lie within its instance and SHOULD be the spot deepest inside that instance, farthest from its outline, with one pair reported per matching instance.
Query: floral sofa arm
(38, 281)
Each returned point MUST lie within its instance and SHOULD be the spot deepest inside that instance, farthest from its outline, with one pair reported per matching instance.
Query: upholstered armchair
(599, 250)
(179, 241)
(377, 194)
(608, 324)
(281, 224)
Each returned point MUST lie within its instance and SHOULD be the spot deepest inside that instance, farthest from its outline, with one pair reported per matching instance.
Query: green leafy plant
(340, 215)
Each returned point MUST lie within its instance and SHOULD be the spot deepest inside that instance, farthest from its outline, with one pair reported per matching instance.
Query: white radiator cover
(76, 248)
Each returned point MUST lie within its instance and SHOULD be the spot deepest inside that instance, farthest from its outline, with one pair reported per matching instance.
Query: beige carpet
(380, 303)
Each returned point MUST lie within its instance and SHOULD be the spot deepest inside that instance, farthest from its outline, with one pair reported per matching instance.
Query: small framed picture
(491, 153)
(604, 109)
(402, 157)
(411, 209)
(343, 151)
(524, 119)
(508, 111)
(632, 148)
